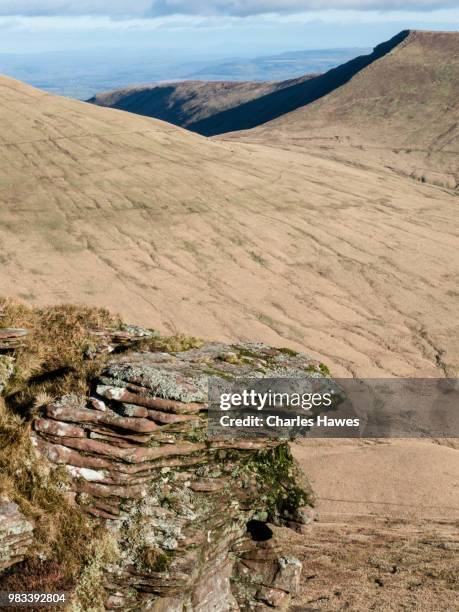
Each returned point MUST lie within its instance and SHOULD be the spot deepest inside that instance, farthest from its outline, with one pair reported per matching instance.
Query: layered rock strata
(111, 340)
(176, 504)
(11, 339)
(16, 534)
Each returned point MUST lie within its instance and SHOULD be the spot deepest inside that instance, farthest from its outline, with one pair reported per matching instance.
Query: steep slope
(189, 102)
(295, 95)
(401, 111)
(225, 240)
(212, 108)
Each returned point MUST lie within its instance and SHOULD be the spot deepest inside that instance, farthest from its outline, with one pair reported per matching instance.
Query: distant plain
(81, 75)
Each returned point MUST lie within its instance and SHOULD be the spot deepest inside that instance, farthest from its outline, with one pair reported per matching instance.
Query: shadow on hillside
(273, 105)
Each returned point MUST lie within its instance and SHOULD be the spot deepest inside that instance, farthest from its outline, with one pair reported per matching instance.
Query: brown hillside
(296, 95)
(187, 103)
(225, 240)
(401, 111)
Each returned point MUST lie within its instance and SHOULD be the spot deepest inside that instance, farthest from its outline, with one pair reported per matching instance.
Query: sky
(212, 28)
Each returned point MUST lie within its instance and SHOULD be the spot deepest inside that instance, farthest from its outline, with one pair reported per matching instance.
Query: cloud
(64, 8)
(138, 9)
(243, 8)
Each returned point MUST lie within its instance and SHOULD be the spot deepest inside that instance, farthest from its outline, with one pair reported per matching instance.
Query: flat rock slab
(9, 332)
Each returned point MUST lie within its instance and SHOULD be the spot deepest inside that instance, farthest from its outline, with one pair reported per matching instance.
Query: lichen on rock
(16, 534)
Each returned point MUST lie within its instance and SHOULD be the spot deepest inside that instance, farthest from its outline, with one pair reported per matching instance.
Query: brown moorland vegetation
(226, 240)
(400, 112)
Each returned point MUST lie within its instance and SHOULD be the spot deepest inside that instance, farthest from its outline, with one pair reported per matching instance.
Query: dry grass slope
(226, 240)
(295, 94)
(369, 563)
(400, 112)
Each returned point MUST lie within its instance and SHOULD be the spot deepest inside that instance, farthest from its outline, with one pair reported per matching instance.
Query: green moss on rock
(285, 489)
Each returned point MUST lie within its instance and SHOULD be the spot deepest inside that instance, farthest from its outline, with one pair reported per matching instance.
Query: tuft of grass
(288, 352)
(53, 359)
(154, 559)
(286, 487)
(324, 369)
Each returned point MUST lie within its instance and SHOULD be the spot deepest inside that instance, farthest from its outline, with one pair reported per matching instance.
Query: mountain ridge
(186, 103)
(263, 102)
(400, 112)
(278, 103)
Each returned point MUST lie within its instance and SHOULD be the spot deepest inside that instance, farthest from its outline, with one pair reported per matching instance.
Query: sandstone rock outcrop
(183, 511)
(16, 534)
(11, 338)
(108, 341)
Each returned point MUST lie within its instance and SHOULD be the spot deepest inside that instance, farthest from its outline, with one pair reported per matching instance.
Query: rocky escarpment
(187, 517)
